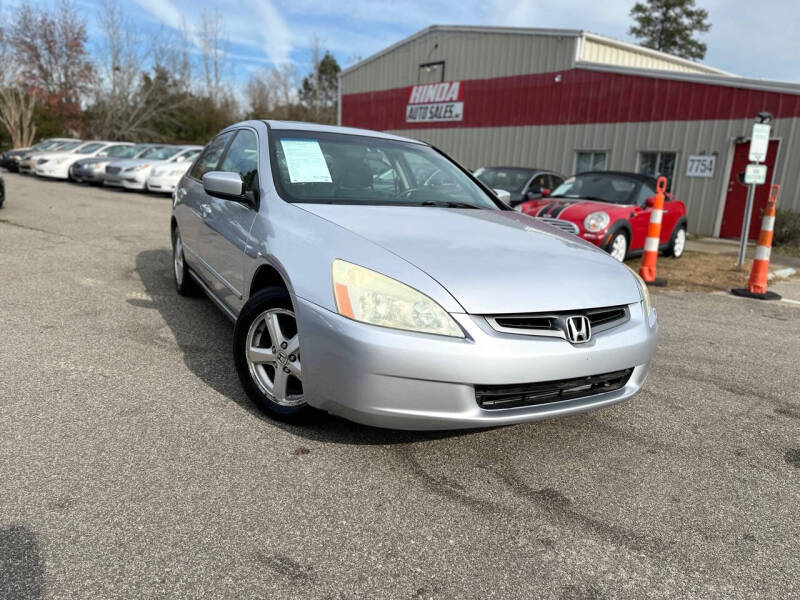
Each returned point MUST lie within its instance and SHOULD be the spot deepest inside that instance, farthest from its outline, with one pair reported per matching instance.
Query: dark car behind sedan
(522, 183)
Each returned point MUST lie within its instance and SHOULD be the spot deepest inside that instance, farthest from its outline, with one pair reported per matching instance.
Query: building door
(736, 198)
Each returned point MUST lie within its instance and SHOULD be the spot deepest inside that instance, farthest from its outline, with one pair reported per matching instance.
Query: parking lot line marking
(791, 301)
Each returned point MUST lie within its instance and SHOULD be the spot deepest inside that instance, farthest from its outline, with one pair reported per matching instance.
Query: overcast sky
(753, 39)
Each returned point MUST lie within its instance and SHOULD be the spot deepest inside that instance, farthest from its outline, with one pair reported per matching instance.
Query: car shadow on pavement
(21, 567)
(205, 336)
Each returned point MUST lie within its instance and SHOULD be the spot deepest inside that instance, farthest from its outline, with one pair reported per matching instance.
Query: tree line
(138, 86)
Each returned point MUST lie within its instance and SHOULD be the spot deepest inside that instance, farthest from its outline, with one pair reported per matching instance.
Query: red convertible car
(612, 210)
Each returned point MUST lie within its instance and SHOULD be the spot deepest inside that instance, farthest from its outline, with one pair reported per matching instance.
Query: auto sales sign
(434, 102)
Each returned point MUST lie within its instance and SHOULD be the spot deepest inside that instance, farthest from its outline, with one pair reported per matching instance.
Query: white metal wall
(554, 147)
(467, 55)
(610, 52)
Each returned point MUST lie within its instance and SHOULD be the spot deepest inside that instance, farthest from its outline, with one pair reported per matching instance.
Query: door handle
(182, 192)
(206, 209)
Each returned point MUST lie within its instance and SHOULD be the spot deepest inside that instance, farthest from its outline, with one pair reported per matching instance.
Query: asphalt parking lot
(133, 466)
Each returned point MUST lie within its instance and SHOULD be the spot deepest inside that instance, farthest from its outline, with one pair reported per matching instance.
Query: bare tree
(214, 50)
(17, 99)
(52, 53)
(126, 97)
(273, 93)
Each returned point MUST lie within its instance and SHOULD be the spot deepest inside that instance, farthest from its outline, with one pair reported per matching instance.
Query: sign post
(755, 174)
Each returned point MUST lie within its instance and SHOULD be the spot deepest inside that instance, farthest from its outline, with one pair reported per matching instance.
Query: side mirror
(503, 195)
(224, 184)
(649, 202)
(546, 192)
(535, 192)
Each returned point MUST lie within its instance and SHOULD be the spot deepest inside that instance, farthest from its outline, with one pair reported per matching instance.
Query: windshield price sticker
(755, 174)
(435, 102)
(759, 142)
(305, 161)
(701, 166)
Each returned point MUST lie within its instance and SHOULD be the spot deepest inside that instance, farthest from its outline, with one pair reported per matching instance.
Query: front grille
(113, 170)
(493, 397)
(561, 224)
(552, 324)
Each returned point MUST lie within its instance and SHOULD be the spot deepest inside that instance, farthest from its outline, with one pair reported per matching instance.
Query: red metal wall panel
(582, 96)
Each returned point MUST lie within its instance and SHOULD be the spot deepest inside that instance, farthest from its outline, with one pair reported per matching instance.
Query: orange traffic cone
(757, 284)
(648, 269)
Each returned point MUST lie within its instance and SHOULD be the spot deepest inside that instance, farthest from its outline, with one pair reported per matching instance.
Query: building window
(656, 164)
(432, 72)
(591, 160)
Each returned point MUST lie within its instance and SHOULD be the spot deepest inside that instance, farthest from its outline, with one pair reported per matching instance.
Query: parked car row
(610, 209)
(152, 167)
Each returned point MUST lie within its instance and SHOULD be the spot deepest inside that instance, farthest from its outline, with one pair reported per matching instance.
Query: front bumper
(130, 181)
(87, 175)
(54, 170)
(163, 184)
(27, 166)
(404, 380)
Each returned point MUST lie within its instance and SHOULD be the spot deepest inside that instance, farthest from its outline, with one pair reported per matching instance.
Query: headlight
(648, 307)
(137, 168)
(597, 221)
(366, 296)
(177, 172)
(61, 161)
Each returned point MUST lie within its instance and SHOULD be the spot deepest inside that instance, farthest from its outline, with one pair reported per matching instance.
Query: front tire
(184, 284)
(618, 246)
(266, 351)
(677, 244)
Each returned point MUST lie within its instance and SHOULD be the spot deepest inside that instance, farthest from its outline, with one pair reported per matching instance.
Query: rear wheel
(266, 350)
(677, 243)
(618, 246)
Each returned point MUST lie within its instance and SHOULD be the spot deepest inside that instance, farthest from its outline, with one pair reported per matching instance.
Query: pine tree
(669, 26)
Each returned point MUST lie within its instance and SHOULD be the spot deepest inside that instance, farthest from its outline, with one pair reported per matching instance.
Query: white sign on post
(755, 174)
(701, 166)
(759, 142)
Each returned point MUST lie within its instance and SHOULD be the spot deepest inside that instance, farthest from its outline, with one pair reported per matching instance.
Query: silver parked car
(357, 289)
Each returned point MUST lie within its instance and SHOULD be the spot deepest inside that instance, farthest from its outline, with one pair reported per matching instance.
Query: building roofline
(654, 53)
(464, 29)
(725, 80)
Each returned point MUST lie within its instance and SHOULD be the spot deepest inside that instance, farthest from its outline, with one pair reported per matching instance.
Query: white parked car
(93, 170)
(165, 178)
(57, 164)
(133, 174)
(27, 162)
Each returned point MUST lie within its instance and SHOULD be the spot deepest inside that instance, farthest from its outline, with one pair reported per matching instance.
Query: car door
(640, 216)
(193, 204)
(228, 221)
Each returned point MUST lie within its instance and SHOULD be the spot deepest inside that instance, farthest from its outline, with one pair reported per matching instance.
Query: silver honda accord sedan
(371, 276)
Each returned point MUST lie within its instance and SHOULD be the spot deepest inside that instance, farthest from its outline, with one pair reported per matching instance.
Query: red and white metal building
(570, 101)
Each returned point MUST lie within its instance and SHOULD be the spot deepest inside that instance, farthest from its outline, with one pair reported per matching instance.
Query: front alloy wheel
(266, 351)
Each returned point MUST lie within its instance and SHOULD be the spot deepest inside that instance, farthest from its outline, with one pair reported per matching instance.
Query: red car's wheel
(618, 246)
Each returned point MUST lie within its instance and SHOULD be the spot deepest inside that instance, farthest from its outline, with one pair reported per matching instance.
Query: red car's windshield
(602, 187)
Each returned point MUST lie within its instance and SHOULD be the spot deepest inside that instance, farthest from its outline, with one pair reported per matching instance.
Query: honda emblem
(579, 330)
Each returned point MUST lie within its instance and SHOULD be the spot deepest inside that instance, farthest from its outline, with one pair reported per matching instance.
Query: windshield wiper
(449, 204)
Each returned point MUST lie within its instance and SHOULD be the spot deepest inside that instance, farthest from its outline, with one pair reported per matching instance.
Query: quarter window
(242, 157)
(656, 164)
(591, 160)
(211, 155)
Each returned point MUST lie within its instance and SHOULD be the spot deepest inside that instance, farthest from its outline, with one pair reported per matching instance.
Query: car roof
(303, 126)
(630, 175)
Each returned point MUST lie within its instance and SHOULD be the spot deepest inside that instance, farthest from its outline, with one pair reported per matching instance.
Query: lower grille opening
(492, 397)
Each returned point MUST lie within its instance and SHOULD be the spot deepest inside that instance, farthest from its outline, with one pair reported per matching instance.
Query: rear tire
(617, 246)
(266, 352)
(677, 243)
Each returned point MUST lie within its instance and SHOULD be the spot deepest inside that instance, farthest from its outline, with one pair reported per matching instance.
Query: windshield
(46, 145)
(89, 148)
(187, 155)
(509, 179)
(160, 153)
(122, 151)
(68, 146)
(335, 168)
(603, 187)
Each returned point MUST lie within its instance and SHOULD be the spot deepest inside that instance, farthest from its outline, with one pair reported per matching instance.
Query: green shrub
(787, 228)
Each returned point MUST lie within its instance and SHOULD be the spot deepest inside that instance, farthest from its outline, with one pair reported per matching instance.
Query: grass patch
(699, 272)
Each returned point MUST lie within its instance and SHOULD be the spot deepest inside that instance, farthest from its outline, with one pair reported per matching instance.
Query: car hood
(492, 261)
(94, 160)
(571, 209)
